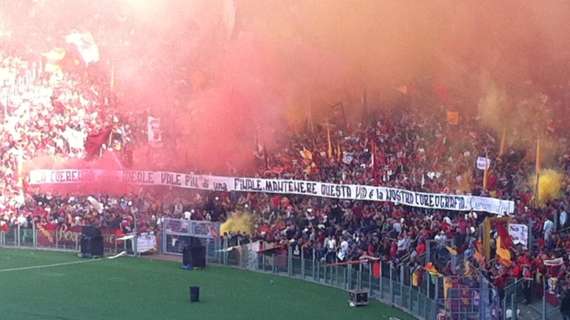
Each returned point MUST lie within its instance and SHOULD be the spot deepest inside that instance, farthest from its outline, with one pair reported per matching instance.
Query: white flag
(153, 130)
(75, 138)
(85, 44)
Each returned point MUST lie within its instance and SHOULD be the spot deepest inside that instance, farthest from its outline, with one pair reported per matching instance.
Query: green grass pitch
(136, 289)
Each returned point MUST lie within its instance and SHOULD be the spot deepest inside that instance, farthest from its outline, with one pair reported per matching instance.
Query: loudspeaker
(194, 294)
(97, 248)
(186, 256)
(194, 254)
(198, 257)
(90, 232)
(91, 242)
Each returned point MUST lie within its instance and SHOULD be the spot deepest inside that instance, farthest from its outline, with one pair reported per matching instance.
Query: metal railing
(406, 286)
(35, 237)
(411, 289)
(529, 299)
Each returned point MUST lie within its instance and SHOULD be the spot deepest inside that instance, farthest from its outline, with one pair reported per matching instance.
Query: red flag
(502, 232)
(94, 142)
(504, 243)
(373, 161)
(376, 270)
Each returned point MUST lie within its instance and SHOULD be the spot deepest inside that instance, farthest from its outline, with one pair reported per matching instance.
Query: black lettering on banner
(274, 186)
(312, 187)
(461, 202)
(408, 197)
(448, 202)
(169, 178)
(424, 200)
(393, 195)
(247, 184)
(418, 199)
(220, 186)
(361, 192)
(237, 183)
(191, 181)
(138, 177)
(269, 186)
(438, 201)
(302, 187)
(379, 194)
(326, 190)
(205, 183)
(335, 191)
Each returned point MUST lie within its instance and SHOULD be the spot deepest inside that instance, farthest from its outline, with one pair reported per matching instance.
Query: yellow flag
(415, 279)
(447, 284)
(453, 117)
(537, 169)
(53, 58)
(306, 154)
(487, 238)
(451, 250)
(537, 156)
(502, 253)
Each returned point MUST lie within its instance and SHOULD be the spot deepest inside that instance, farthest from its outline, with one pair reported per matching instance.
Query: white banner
(146, 242)
(153, 130)
(85, 44)
(483, 163)
(280, 186)
(519, 234)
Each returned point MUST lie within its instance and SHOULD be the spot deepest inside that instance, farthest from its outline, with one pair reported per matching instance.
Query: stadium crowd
(52, 115)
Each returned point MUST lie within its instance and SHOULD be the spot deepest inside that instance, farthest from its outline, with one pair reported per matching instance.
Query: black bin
(194, 294)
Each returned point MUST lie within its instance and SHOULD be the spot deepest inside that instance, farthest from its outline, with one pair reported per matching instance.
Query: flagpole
(344, 116)
(329, 150)
(112, 78)
(503, 141)
(537, 169)
(485, 171)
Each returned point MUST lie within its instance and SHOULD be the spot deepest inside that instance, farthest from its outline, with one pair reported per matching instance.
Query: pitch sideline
(45, 266)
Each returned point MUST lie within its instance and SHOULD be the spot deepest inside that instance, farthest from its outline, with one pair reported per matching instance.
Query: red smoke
(219, 93)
